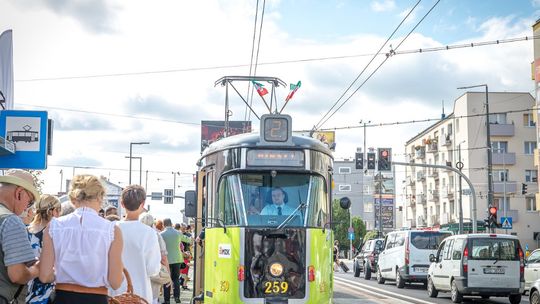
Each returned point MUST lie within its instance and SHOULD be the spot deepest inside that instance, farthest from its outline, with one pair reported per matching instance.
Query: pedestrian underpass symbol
(506, 222)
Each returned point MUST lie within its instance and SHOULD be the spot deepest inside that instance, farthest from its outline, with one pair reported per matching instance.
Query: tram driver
(279, 203)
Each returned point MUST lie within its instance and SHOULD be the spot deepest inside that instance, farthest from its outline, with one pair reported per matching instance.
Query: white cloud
(383, 5)
(181, 35)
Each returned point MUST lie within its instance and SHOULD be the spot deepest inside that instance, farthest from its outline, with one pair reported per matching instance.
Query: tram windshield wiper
(292, 215)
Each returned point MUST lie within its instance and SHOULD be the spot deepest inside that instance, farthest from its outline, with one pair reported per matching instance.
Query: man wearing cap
(17, 193)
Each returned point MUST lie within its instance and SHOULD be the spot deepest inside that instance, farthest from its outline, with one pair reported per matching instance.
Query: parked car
(366, 259)
(405, 257)
(534, 293)
(532, 269)
(478, 264)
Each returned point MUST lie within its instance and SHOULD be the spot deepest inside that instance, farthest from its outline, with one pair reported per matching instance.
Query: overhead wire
(318, 125)
(380, 65)
(257, 55)
(252, 51)
(194, 69)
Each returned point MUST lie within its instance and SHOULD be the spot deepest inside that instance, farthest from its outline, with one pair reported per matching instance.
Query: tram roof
(251, 140)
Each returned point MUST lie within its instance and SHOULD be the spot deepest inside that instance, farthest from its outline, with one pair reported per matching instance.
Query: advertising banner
(387, 212)
(214, 130)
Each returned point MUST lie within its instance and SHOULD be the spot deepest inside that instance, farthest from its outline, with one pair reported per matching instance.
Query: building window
(344, 188)
(499, 146)
(449, 129)
(500, 175)
(344, 170)
(368, 207)
(530, 203)
(499, 118)
(531, 176)
(529, 147)
(528, 120)
(498, 202)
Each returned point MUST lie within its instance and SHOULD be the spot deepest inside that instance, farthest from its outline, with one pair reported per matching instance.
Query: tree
(38, 181)
(370, 235)
(341, 226)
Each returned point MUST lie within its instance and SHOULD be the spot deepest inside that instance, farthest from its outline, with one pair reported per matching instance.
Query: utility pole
(380, 178)
(459, 165)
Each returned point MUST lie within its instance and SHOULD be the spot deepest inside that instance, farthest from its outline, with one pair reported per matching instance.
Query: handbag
(127, 297)
(163, 277)
(14, 300)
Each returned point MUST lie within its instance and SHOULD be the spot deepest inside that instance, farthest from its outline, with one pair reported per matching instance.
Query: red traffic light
(384, 153)
(493, 210)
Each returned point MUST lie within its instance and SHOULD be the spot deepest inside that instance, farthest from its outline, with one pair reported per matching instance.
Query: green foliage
(38, 181)
(370, 235)
(341, 226)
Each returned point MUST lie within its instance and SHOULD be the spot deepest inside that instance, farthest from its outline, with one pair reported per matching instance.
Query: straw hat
(21, 178)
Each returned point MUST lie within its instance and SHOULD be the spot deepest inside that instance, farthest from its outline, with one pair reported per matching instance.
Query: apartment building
(432, 195)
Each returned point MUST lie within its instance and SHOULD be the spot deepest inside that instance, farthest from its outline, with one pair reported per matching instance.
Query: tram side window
(225, 210)
(318, 204)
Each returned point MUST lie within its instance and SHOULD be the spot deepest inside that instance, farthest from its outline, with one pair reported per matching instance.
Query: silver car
(532, 269)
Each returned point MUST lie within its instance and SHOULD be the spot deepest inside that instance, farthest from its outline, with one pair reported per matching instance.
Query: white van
(478, 264)
(405, 257)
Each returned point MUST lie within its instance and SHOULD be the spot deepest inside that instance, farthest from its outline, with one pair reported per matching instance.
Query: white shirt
(272, 209)
(82, 241)
(141, 257)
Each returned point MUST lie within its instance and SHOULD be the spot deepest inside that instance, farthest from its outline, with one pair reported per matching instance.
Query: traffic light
(359, 160)
(385, 159)
(523, 188)
(492, 217)
(371, 161)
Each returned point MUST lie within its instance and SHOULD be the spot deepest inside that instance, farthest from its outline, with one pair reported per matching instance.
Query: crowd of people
(80, 252)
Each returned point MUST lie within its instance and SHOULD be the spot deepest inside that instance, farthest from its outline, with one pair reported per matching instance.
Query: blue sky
(450, 21)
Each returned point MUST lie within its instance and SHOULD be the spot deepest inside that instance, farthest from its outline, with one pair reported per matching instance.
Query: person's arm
(46, 268)
(18, 252)
(116, 268)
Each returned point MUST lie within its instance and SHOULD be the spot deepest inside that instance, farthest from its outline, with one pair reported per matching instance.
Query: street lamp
(131, 154)
(140, 167)
(488, 143)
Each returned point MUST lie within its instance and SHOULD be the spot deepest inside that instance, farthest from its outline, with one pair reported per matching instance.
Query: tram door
(205, 182)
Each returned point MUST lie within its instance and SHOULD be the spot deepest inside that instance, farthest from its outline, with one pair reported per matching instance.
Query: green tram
(255, 252)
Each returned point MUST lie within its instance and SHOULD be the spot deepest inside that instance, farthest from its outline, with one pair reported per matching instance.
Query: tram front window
(255, 199)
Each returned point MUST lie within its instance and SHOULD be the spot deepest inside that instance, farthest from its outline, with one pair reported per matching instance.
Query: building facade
(432, 195)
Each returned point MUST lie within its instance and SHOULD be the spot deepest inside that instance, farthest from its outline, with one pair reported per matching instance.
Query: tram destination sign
(279, 158)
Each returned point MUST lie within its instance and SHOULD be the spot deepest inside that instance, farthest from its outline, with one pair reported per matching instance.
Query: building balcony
(420, 153)
(447, 193)
(499, 187)
(433, 147)
(411, 181)
(501, 129)
(420, 199)
(447, 141)
(433, 196)
(434, 174)
(420, 176)
(503, 158)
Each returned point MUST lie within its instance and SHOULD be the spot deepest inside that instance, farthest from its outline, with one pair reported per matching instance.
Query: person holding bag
(82, 250)
(164, 276)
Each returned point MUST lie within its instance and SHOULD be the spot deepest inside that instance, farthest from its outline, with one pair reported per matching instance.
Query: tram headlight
(276, 269)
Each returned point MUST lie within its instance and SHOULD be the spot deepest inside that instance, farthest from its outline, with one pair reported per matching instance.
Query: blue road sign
(28, 130)
(351, 236)
(506, 222)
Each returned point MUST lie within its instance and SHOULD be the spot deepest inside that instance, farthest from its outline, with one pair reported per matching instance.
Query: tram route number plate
(275, 287)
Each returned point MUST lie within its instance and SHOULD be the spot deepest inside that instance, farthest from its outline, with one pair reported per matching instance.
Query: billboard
(214, 130)
(387, 212)
(326, 137)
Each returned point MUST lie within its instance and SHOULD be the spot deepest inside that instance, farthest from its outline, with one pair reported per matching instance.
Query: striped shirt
(14, 241)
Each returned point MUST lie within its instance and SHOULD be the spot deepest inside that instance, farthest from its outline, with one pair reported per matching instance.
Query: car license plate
(420, 269)
(494, 270)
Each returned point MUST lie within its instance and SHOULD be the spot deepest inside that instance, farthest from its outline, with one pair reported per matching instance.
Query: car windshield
(428, 239)
(260, 199)
(494, 249)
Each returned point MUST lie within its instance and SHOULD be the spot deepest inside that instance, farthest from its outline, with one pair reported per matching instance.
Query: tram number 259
(276, 287)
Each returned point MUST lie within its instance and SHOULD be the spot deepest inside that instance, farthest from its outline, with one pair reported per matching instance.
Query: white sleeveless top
(81, 247)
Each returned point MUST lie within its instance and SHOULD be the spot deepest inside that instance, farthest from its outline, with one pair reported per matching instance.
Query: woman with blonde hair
(82, 251)
(47, 208)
